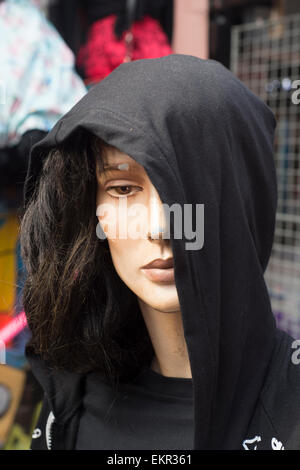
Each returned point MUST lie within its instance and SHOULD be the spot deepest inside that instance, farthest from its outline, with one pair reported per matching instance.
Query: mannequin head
(142, 242)
(83, 296)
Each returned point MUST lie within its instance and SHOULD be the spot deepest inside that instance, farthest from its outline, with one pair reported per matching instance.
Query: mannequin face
(120, 191)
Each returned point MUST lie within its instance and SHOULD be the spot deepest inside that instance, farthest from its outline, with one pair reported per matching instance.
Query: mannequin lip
(159, 275)
(159, 263)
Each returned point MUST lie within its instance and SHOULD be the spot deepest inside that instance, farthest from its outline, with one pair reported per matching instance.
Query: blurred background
(53, 51)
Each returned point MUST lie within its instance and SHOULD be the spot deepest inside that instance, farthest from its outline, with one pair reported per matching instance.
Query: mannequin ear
(100, 233)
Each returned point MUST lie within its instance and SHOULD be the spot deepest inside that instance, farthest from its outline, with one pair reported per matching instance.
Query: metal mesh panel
(266, 57)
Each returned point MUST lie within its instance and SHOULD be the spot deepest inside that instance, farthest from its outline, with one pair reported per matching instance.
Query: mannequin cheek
(124, 258)
(124, 228)
(108, 221)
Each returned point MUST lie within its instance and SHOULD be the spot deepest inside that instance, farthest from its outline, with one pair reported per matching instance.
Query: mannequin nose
(157, 223)
(156, 234)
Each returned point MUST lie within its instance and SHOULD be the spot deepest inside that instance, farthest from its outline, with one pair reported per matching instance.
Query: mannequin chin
(128, 256)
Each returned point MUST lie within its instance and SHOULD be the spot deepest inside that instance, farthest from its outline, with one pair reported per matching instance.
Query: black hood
(204, 138)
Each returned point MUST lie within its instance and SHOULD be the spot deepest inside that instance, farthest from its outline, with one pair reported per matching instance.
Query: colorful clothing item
(103, 51)
(38, 83)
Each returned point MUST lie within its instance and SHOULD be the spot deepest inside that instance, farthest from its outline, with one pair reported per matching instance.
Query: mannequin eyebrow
(121, 167)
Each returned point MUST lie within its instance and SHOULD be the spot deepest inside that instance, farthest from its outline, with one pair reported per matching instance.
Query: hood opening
(204, 138)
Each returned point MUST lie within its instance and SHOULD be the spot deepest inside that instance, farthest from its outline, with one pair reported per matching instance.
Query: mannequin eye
(124, 190)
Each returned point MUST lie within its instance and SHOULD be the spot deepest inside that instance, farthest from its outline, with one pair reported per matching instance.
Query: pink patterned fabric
(103, 51)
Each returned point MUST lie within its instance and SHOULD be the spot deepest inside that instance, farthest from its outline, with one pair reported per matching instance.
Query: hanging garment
(38, 83)
(104, 51)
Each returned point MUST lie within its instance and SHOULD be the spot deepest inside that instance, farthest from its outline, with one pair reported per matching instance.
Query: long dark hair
(81, 315)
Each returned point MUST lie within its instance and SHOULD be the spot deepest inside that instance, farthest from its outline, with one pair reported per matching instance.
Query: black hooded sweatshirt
(204, 138)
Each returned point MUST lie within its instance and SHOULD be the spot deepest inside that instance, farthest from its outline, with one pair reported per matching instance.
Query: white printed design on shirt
(50, 421)
(276, 445)
(251, 441)
(251, 444)
(36, 433)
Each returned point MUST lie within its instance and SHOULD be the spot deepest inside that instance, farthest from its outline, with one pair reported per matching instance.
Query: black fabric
(96, 10)
(63, 392)
(72, 18)
(162, 10)
(273, 426)
(275, 422)
(153, 412)
(14, 159)
(13, 168)
(204, 138)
